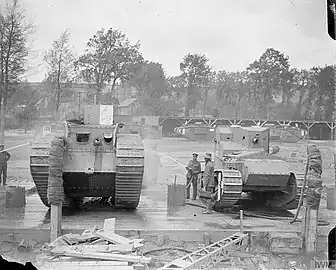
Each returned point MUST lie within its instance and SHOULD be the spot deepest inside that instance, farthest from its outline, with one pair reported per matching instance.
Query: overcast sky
(231, 33)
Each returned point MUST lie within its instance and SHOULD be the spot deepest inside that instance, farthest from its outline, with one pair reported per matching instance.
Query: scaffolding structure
(209, 256)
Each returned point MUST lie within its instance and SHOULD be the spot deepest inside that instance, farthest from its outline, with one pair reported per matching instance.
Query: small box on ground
(176, 195)
(15, 197)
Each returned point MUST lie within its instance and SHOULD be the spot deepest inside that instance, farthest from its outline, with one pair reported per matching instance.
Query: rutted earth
(165, 159)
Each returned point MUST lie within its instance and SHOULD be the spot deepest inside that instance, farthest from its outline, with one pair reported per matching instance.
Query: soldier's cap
(207, 156)
(195, 154)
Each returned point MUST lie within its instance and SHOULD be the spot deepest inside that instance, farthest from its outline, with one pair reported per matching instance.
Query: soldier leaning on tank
(208, 180)
(4, 158)
(194, 169)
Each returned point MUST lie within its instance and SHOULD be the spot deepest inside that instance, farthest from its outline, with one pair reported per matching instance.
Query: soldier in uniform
(4, 158)
(209, 180)
(194, 169)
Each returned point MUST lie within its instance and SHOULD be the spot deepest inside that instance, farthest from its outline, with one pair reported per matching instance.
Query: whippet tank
(99, 161)
(243, 163)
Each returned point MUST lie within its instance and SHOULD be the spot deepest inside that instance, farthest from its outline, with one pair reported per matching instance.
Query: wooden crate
(176, 195)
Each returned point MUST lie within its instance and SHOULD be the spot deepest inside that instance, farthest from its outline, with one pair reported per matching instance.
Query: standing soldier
(208, 180)
(194, 169)
(4, 158)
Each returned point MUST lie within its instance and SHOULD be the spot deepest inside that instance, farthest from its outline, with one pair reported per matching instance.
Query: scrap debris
(100, 245)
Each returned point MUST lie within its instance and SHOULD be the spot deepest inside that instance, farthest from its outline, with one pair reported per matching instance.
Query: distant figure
(209, 180)
(194, 169)
(4, 158)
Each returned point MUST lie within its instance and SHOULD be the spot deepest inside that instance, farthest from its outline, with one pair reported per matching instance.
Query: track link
(129, 170)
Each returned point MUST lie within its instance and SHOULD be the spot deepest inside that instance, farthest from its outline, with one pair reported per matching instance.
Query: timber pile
(95, 248)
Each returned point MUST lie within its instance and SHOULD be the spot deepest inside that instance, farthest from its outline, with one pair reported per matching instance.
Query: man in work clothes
(4, 158)
(194, 169)
(208, 180)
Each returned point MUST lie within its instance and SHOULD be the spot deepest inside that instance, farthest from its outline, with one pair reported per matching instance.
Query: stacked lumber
(95, 248)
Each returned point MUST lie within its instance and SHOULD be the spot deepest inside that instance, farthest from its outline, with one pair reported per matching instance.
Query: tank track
(231, 189)
(130, 158)
(39, 169)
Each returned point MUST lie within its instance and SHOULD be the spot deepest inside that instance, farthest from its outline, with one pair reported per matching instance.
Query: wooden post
(305, 217)
(55, 221)
(309, 227)
(241, 221)
(312, 230)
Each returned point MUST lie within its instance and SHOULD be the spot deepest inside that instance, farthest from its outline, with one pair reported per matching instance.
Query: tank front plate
(89, 185)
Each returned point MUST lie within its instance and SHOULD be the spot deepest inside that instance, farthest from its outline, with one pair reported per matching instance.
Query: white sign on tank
(106, 115)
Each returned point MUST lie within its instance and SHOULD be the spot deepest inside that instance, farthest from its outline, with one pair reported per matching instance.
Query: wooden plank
(95, 248)
(85, 263)
(90, 231)
(112, 237)
(94, 267)
(82, 261)
(109, 224)
(106, 256)
(55, 221)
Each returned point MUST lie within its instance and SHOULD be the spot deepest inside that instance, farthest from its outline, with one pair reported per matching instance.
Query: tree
(25, 104)
(109, 57)
(176, 87)
(230, 89)
(326, 96)
(14, 52)
(149, 79)
(269, 74)
(60, 60)
(197, 73)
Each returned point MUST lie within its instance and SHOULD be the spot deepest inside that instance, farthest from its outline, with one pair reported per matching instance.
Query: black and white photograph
(167, 134)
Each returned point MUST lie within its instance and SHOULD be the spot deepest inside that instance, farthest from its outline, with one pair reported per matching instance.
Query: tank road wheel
(129, 170)
(230, 188)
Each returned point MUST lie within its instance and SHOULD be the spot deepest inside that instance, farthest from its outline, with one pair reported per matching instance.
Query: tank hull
(123, 185)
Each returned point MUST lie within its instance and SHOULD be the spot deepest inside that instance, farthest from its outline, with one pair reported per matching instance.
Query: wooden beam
(214, 122)
(312, 230)
(55, 221)
(263, 123)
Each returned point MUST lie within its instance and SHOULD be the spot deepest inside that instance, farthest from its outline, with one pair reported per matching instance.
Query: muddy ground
(165, 160)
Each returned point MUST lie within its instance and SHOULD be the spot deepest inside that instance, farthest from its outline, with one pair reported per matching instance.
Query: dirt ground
(165, 159)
